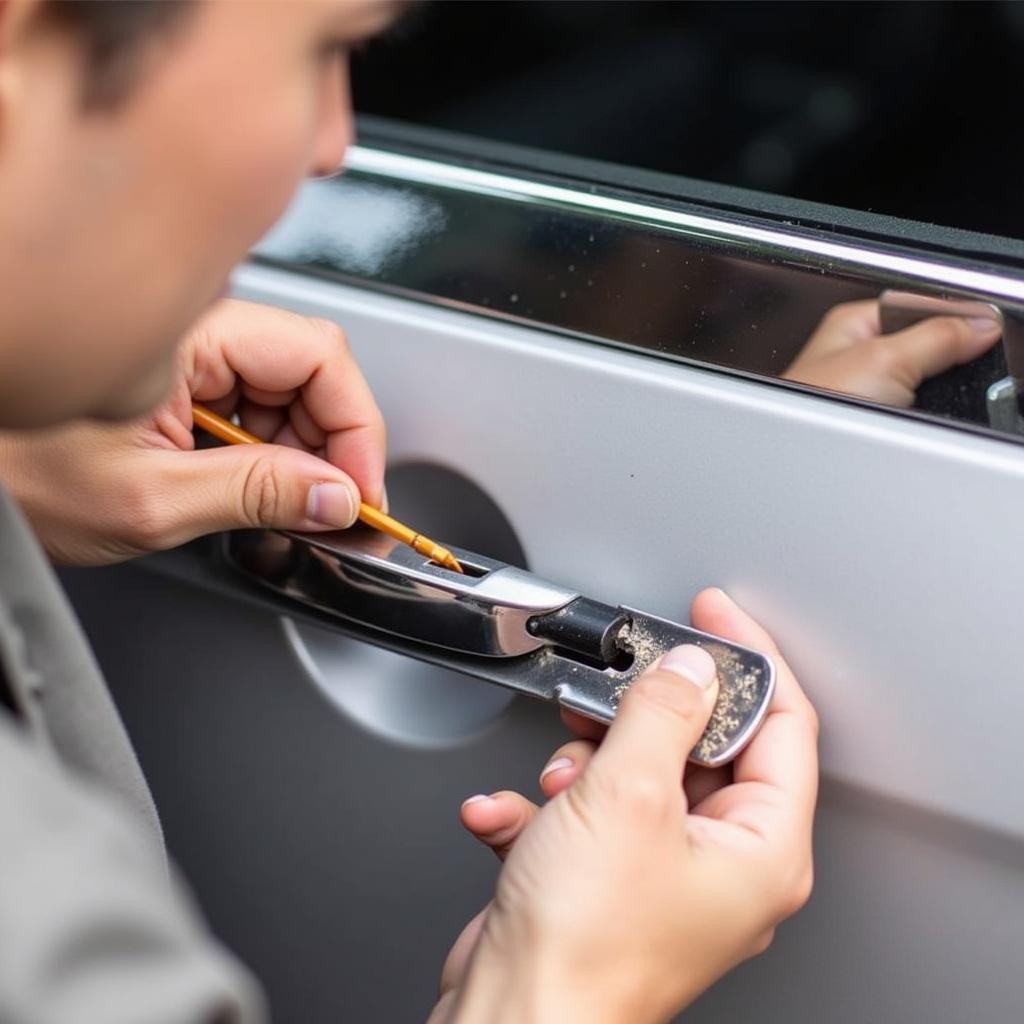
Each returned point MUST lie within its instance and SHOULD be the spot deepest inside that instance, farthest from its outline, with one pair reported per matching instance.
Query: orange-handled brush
(231, 434)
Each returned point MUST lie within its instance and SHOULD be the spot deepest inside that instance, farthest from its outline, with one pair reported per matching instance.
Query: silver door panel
(880, 550)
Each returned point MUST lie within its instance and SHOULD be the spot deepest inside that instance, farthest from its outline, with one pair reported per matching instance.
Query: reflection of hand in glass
(849, 353)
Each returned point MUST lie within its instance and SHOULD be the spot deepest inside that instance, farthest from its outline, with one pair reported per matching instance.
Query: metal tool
(502, 624)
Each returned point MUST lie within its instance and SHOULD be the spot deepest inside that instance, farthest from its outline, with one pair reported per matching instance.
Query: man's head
(143, 149)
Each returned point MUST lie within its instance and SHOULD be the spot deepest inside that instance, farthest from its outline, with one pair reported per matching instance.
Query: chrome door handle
(502, 624)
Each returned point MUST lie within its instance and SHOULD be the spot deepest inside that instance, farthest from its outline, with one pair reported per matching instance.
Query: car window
(896, 108)
(768, 189)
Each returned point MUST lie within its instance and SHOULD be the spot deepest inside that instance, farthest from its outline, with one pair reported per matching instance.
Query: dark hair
(114, 35)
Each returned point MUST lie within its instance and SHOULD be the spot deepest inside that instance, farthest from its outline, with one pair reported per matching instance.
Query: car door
(580, 368)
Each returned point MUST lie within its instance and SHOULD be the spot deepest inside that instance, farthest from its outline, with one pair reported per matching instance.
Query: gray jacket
(93, 927)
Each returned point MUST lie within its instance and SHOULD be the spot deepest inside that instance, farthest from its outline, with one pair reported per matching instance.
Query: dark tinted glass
(898, 108)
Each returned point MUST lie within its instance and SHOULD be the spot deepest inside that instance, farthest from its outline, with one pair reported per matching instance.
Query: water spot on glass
(572, 267)
(561, 295)
(590, 237)
(590, 284)
(514, 297)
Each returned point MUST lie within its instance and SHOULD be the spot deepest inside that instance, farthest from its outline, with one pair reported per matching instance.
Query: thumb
(264, 485)
(940, 342)
(661, 717)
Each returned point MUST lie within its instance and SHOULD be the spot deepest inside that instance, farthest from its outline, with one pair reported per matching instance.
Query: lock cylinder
(585, 627)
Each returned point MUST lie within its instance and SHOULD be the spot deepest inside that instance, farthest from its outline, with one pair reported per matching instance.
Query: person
(143, 149)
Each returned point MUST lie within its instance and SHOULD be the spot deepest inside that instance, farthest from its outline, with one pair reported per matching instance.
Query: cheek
(267, 185)
(262, 165)
(233, 157)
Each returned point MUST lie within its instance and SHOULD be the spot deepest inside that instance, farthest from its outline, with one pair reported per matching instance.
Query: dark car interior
(897, 108)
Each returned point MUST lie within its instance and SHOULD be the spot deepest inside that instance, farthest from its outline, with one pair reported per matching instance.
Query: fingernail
(983, 325)
(332, 504)
(557, 765)
(692, 662)
(385, 505)
(475, 799)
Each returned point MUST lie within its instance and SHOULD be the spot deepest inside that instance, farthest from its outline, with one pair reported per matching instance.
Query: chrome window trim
(807, 251)
(500, 239)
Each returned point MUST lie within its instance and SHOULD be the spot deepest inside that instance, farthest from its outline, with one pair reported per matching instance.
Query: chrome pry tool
(500, 623)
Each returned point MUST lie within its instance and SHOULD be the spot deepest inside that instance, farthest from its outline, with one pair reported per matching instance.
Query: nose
(334, 130)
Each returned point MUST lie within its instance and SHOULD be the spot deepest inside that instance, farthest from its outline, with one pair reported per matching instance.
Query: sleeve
(92, 931)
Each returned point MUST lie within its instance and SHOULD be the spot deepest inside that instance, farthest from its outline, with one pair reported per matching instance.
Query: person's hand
(628, 894)
(102, 492)
(849, 353)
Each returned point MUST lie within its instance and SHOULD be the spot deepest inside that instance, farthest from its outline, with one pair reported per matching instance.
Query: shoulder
(88, 905)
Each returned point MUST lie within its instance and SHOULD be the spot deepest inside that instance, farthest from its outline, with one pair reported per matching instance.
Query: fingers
(698, 783)
(848, 353)
(262, 420)
(661, 717)
(251, 486)
(844, 325)
(701, 783)
(302, 365)
(565, 766)
(783, 753)
(457, 961)
(938, 343)
(713, 611)
(585, 728)
(497, 820)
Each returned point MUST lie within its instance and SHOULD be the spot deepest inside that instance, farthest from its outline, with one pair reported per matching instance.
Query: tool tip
(451, 562)
(443, 557)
